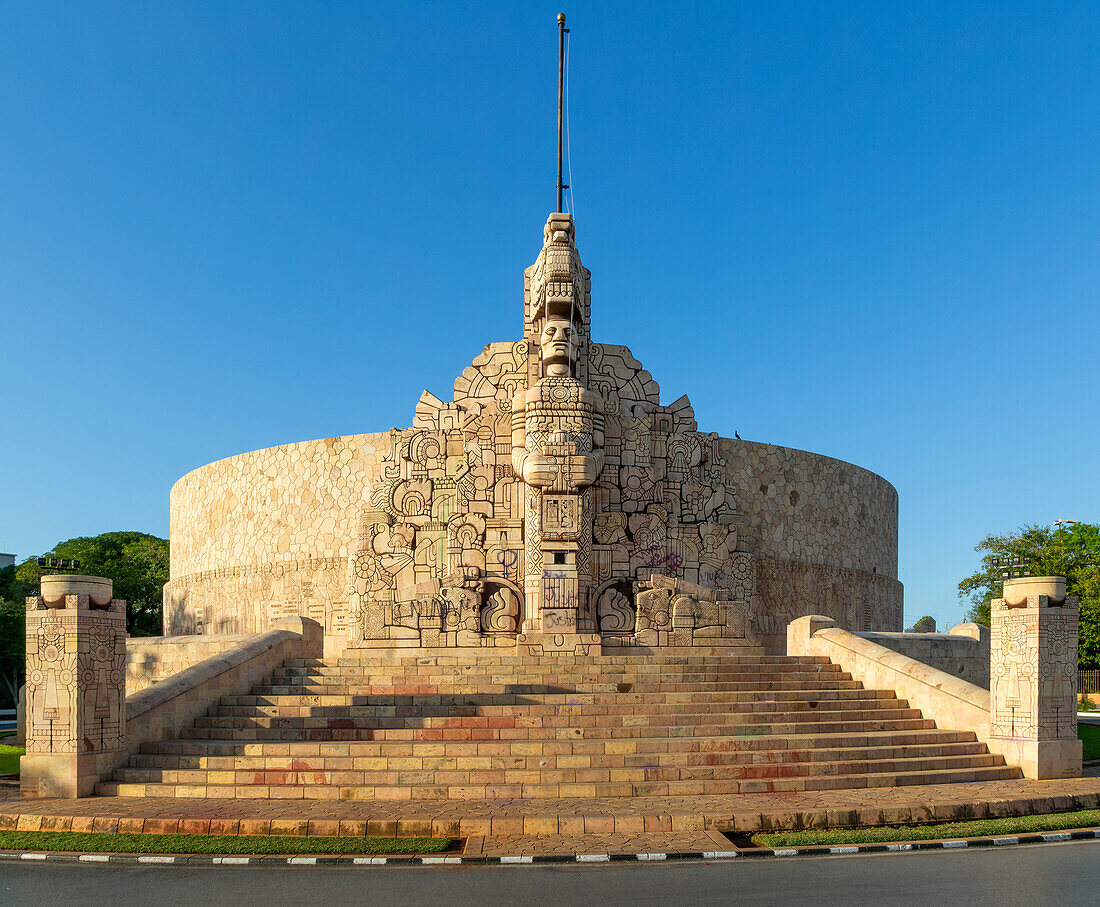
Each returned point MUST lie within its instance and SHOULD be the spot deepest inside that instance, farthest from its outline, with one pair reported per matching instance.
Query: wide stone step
(366, 687)
(216, 728)
(573, 665)
(870, 763)
(650, 746)
(612, 673)
(565, 717)
(637, 669)
(272, 694)
(262, 697)
(653, 683)
(481, 657)
(361, 686)
(551, 761)
(560, 789)
(524, 692)
(526, 711)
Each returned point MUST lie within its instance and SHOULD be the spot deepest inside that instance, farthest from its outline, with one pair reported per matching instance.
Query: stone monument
(553, 507)
(552, 504)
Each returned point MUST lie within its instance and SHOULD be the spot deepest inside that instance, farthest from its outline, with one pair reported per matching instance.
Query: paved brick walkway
(688, 842)
(566, 818)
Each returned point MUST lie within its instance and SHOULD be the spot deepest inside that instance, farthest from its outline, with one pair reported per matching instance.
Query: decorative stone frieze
(76, 683)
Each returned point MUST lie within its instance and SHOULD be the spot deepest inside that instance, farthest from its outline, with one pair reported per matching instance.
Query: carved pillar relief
(1033, 677)
(76, 680)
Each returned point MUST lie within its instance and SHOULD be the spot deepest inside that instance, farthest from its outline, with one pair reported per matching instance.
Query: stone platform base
(65, 774)
(741, 813)
(1044, 758)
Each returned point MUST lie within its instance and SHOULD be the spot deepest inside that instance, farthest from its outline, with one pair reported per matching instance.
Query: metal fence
(1088, 681)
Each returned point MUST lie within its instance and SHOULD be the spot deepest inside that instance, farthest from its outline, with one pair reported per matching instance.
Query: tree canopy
(136, 562)
(1072, 552)
(12, 632)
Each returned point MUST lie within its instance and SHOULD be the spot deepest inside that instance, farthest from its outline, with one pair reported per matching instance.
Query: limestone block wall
(964, 656)
(266, 535)
(855, 599)
(812, 509)
(825, 534)
(150, 659)
(293, 503)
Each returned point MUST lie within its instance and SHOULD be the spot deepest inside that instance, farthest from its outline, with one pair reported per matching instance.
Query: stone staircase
(502, 727)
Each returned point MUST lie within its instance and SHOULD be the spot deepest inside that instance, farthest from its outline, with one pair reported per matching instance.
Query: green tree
(13, 611)
(926, 624)
(1072, 552)
(136, 562)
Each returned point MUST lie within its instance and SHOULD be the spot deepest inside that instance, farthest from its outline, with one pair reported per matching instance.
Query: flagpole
(561, 84)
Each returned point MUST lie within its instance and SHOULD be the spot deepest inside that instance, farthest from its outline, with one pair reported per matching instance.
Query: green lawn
(1090, 737)
(9, 759)
(215, 844)
(976, 828)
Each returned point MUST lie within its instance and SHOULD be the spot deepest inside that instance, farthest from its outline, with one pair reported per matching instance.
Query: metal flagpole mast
(561, 83)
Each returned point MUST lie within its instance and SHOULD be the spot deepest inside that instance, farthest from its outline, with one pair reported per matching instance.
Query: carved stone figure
(557, 450)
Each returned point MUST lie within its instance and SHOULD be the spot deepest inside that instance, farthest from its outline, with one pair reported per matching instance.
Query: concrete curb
(1051, 837)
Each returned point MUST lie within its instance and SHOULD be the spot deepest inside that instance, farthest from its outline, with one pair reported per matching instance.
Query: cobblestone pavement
(688, 842)
(548, 817)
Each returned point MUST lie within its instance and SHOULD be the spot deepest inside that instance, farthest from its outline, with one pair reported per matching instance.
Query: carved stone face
(558, 343)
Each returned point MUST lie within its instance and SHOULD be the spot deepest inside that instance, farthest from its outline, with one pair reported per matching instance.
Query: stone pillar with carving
(557, 451)
(1033, 677)
(76, 686)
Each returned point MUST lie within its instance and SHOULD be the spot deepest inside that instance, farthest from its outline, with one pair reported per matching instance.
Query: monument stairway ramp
(503, 727)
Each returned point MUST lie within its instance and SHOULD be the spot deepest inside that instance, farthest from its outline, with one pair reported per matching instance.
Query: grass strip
(974, 828)
(1090, 740)
(9, 759)
(103, 842)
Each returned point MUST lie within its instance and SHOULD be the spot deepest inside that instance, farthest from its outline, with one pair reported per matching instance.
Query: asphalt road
(1062, 874)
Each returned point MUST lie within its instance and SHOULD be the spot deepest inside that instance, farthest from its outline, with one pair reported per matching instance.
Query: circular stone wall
(267, 534)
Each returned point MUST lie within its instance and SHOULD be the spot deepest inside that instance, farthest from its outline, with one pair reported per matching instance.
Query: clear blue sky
(867, 229)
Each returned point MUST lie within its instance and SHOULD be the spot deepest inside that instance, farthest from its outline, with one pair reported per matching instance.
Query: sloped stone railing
(159, 711)
(948, 700)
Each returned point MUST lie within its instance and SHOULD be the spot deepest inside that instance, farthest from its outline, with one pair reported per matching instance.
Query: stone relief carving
(614, 611)
(500, 614)
(1033, 682)
(570, 498)
(76, 671)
